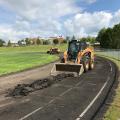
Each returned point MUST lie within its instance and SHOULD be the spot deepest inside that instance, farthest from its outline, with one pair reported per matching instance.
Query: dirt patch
(25, 89)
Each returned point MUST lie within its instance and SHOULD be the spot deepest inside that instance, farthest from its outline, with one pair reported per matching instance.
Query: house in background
(14, 44)
(60, 39)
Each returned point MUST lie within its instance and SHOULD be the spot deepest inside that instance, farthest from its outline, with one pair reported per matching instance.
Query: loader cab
(82, 46)
(74, 47)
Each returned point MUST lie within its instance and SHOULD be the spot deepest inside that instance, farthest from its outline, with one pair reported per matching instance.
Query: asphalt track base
(75, 98)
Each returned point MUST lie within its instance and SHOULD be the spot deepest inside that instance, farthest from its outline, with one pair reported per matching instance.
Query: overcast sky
(31, 18)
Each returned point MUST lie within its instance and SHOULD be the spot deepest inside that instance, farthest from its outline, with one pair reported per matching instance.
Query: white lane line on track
(6, 104)
(26, 116)
(83, 113)
(79, 83)
(96, 97)
(66, 92)
(92, 102)
(91, 84)
(51, 101)
(111, 69)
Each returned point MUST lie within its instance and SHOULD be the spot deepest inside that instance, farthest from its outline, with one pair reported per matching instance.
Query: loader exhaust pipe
(77, 69)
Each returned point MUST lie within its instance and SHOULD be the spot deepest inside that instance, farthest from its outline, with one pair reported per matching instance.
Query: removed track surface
(70, 99)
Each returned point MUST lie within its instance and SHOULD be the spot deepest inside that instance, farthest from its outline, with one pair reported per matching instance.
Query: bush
(1, 42)
(46, 42)
(55, 41)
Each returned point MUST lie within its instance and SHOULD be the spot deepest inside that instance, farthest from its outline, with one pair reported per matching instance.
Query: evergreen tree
(73, 38)
(38, 41)
(9, 43)
(1, 42)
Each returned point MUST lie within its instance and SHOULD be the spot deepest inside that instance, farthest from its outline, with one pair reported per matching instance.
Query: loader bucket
(63, 67)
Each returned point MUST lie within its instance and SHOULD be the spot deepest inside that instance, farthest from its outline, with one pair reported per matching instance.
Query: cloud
(83, 24)
(40, 9)
(50, 18)
(8, 32)
(89, 1)
(23, 29)
(42, 16)
(116, 18)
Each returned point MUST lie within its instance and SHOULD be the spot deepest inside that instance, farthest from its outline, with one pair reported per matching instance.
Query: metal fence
(112, 53)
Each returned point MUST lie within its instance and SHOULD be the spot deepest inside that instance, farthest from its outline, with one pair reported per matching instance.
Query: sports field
(13, 59)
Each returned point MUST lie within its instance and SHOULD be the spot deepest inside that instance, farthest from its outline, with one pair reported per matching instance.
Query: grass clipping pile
(25, 89)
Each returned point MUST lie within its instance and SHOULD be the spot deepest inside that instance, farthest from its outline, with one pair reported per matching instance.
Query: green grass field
(40, 48)
(113, 113)
(13, 59)
(112, 54)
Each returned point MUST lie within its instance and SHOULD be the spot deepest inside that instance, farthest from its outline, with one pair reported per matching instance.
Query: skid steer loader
(77, 59)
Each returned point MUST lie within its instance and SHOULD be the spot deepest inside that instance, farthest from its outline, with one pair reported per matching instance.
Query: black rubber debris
(25, 89)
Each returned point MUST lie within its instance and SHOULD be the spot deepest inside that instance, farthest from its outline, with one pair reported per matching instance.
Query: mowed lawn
(13, 59)
(40, 48)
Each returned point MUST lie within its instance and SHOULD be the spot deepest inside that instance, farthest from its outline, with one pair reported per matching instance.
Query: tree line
(33, 41)
(109, 37)
(89, 39)
(38, 41)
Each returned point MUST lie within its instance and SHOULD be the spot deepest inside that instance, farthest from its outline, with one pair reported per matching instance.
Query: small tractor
(53, 51)
(78, 58)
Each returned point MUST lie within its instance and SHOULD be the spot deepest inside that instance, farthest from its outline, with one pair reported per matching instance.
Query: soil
(25, 89)
(25, 77)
